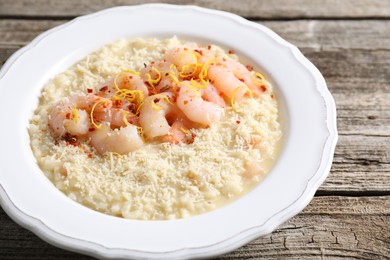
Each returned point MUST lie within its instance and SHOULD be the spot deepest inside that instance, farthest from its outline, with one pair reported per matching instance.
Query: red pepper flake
(238, 122)
(67, 116)
(165, 88)
(199, 51)
(90, 156)
(231, 52)
(91, 129)
(152, 62)
(89, 90)
(130, 77)
(70, 140)
(104, 89)
(242, 80)
(249, 67)
(132, 120)
(185, 49)
(152, 91)
(118, 103)
(131, 106)
(193, 135)
(224, 59)
(209, 47)
(156, 100)
(272, 96)
(263, 88)
(149, 86)
(185, 102)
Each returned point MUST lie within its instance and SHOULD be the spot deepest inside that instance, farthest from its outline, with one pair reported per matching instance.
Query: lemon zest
(197, 85)
(185, 67)
(102, 101)
(172, 66)
(235, 91)
(120, 73)
(125, 114)
(75, 114)
(203, 72)
(201, 77)
(173, 76)
(159, 96)
(175, 79)
(140, 131)
(153, 81)
(255, 76)
(129, 95)
(186, 131)
(117, 154)
(139, 108)
(155, 106)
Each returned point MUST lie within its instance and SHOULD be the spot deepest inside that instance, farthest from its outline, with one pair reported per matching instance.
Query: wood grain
(349, 41)
(329, 227)
(263, 9)
(316, 34)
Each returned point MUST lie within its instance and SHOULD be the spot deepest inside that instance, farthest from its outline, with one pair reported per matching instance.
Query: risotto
(223, 145)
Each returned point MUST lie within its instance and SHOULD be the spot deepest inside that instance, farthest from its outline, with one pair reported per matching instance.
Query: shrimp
(127, 80)
(242, 73)
(176, 133)
(179, 128)
(186, 56)
(204, 55)
(189, 60)
(225, 81)
(195, 108)
(181, 57)
(117, 117)
(122, 140)
(123, 80)
(160, 75)
(86, 102)
(212, 94)
(64, 118)
(153, 115)
(73, 116)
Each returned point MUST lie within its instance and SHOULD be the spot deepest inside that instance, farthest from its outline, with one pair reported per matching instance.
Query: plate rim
(97, 250)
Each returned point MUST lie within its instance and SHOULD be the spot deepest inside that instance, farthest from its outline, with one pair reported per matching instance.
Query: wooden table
(349, 41)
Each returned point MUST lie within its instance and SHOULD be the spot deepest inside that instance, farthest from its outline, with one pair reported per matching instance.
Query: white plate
(308, 118)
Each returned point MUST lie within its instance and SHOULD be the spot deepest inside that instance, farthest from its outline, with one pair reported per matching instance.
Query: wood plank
(315, 34)
(346, 34)
(360, 84)
(277, 9)
(352, 227)
(20, 32)
(330, 227)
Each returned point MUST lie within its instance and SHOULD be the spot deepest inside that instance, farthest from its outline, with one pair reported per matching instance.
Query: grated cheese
(159, 180)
